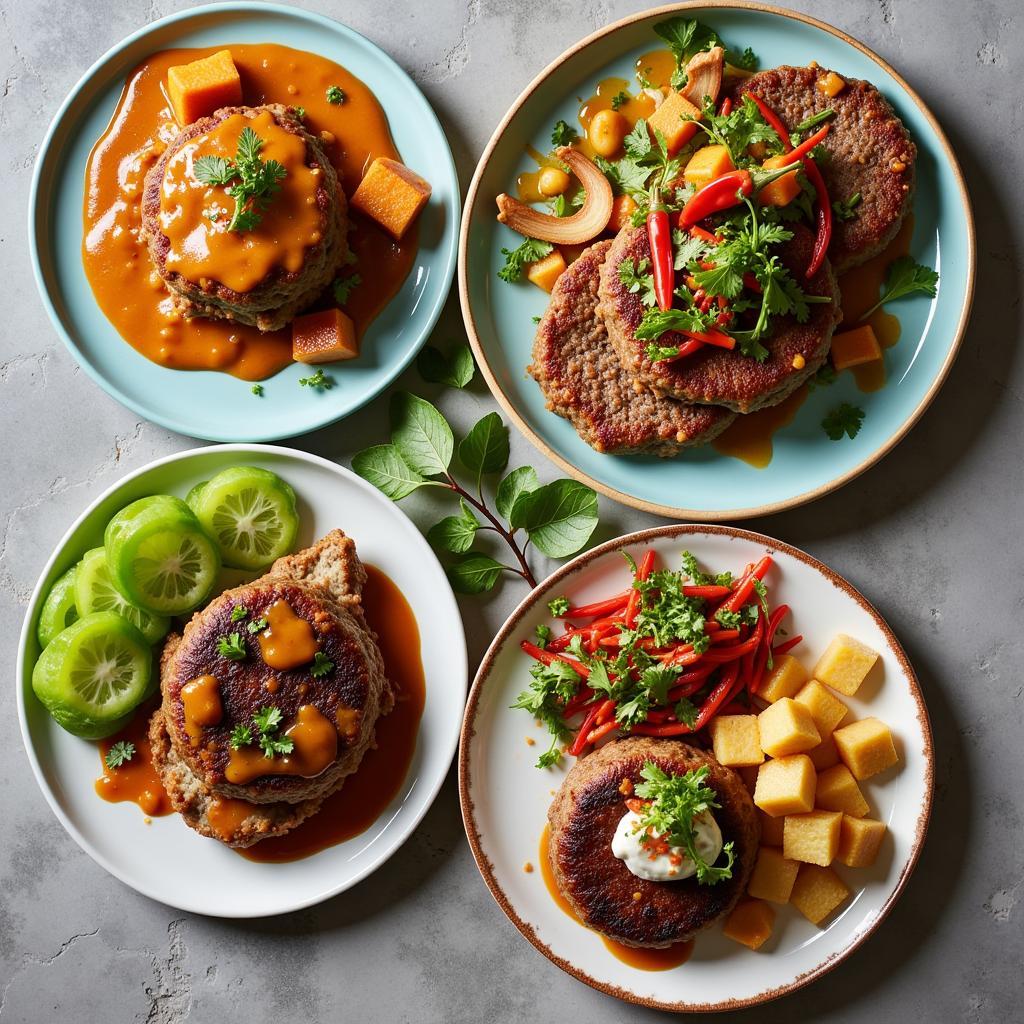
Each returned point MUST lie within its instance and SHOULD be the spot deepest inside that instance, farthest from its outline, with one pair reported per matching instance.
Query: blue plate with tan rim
(209, 404)
(706, 484)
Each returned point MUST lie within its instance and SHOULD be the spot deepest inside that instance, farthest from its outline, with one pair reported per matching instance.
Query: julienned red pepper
(642, 572)
(547, 658)
(726, 108)
(784, 648)
(823, 232)
(598, 608)
(794, 155)
(685, 350)
(745, 586)
(726, 192)
(659, 234)
(580, 742)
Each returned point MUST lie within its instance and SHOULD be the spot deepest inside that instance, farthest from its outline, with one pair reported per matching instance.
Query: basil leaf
(421, 434)
(520, 481)
(432, 364)
(456, 370)
(474, 574)
(460, 367)
(455, 533)
(384, 467)
(485, 448)
(560, 517)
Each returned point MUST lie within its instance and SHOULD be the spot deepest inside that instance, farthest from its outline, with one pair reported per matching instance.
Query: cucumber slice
(93, 675)
(159, 557)
(95, 592)
(251, 515)
(59, 610)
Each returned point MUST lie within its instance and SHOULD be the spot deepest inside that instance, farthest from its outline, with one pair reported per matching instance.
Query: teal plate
(209, 404)
(702, 484)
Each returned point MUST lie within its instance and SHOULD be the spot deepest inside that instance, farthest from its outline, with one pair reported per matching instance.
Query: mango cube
(859, 840)
(708, 163)
(786, 727)
(546, 272)
(750, 923)
(845, 664)
(669, 120)
(771, 829)
(866, 747)
(784, 680)
(392, 195)
(825, 707)
(824, 755)
(812, 838)
(203, 86)
(817, 891)
(773, 876)
(785, 785)
(837, 790)
(851, 348)
(324, 337)
(736, 739)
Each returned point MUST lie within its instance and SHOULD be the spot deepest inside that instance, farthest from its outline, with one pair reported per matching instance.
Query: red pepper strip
(642, 572)
(605, 711)
(601, 730)
(823, 233)
(761, 661)
(711, 592)
(745, 587)
(751, 282)
(773, 119)
(599, 609)
(747, 665)
(659, 234)
(548, 658)
(801, 151)
(724, 193)
(786, 646)
(685, 350)
(658, 715)
(716, 338)
(716, 698)
(580, 742)
(721, 655)
(704, 235)
(726, 107)
(579, 702)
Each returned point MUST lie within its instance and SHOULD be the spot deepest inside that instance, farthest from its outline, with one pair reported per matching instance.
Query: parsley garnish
(120, 753)
(543, 635)
(551, 687)
(319, 381)
(250, 181)
(267, 721)
(700, 578)
(685, 37)
(563, 134)
(239, 612)
(742, 127)
(336, 95)
(905, 277)
(558, 606)
(530, 250)
(846, 209)
(844, 419)
(257, 390)
(638, 279)
(343, 288)
(232, 647)
(619, 98)
(675, 802)
(257, 626)
(241, 736)
(321, 665)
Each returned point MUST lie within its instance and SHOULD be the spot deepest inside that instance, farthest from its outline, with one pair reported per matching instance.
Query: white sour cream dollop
(673, 864)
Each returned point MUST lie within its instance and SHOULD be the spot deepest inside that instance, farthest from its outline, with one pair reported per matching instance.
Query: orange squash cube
(623, 208)
(782, 191)
(324, 337)
(708, 163)
(750, 923)
(851, 348)
(392, 195)
(832, 84)
(198, 89)
(544, 273)
(669, 120)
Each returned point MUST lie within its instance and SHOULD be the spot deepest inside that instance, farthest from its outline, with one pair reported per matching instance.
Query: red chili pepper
(784, 648)
(605, 711)
(580, 742)
(745, 586)
(716, 338)
(598, 608)
(659, 234)
(773, 119)
(823, 233)
(726, 107)
(685, 350)
(602, 730)
(642, 572)
(724, 193)
(579, 702)
(801, 151)
(710, 591)
(704, 235)
(548, 658)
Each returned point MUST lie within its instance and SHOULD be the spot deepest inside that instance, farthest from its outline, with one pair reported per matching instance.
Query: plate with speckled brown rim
(701, 484)
(505, 798)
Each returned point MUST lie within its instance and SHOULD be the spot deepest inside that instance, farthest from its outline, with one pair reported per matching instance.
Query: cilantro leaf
(239, 612)
(563, 134)
(267, 719)
(241, 736)
(638, 279)
(844, 419)
(846, 209)
(558, 606)
(321, 665)
(542, 634)
(529, 251)
(232, 647)
(272, 745)
(906, 277)
(257, 626)
(343, 286)
(120, 753)
(551, 687)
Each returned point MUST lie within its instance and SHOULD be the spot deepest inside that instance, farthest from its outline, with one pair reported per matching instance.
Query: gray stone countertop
(932, 535)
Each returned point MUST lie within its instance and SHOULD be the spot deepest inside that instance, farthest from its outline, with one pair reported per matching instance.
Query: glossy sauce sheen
(288, 641)
(642, 959)
(136, 780)
(117, 264)
(365, 795)
(315, 741)
(201, 704)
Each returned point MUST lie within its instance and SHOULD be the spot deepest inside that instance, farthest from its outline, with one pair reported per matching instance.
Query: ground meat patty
(282, 294)
(322, 585)
(718, 376)
(599, 886)
(583, 379)
(870, 152)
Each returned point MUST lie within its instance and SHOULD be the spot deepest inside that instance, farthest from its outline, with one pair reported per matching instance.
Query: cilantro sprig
(906, 277)
(686, 37)
(551, 687)
(529, 251)
(844, 420)
(232, 646)
(264, 732)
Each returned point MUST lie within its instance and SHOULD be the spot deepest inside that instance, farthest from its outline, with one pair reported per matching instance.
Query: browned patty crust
(870, 152)
(718, 376)
(600, 888)
(584, 382)
(283, 294)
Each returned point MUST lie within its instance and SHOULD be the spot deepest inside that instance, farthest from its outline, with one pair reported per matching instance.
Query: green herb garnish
(906, 277)
(120, 753)
(551, 687)
(239, 612)
(336, 95)
(232, 647)
(318, 382)
(257, 390)
(563, 134)
(343, 286)
(846, 209)
(558, 606)
(257, 626)
(321, 665)
(530, 250)
(845, 420)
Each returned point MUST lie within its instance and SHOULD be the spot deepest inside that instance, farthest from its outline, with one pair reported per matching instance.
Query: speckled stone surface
(932, 535)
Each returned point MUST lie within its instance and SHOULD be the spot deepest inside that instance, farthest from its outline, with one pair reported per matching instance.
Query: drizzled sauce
(135, 780)
(315, 747)
(642, 959)
(123, 280)
(288, 641)
(201, 704)
(226, 815)
(381, 775)
(750, 437)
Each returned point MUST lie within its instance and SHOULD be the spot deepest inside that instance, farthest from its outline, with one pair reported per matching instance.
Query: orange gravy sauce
(201, 704)
(750, 437)
(288, 641)
(315, 741)
(117, 264)
(365, 795)
(642, 959)
(226, 815)
(136, 780)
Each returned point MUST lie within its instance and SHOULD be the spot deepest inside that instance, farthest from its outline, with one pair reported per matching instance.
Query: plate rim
(22, 684)
(35, 211)
(672, 511)
(468, 731)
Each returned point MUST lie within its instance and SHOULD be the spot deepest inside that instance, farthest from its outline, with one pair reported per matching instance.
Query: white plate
(166, 860)
(505, 798)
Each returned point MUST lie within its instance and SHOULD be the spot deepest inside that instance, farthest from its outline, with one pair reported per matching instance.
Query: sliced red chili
(659, 235)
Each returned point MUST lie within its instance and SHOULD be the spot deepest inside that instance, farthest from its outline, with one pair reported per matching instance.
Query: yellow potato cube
(859, 840)
(784, 680)
(786, 728)
(544, 273)
(676, 119)
(866, 747)
(824, 755)
(736, 740)
(817, 892)
(812, 838)
(845, 664)
(771, 829)
(825, 707)
(837, 790)
(785, 785)
(773, 876)
(750, 923)
(392, 195)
